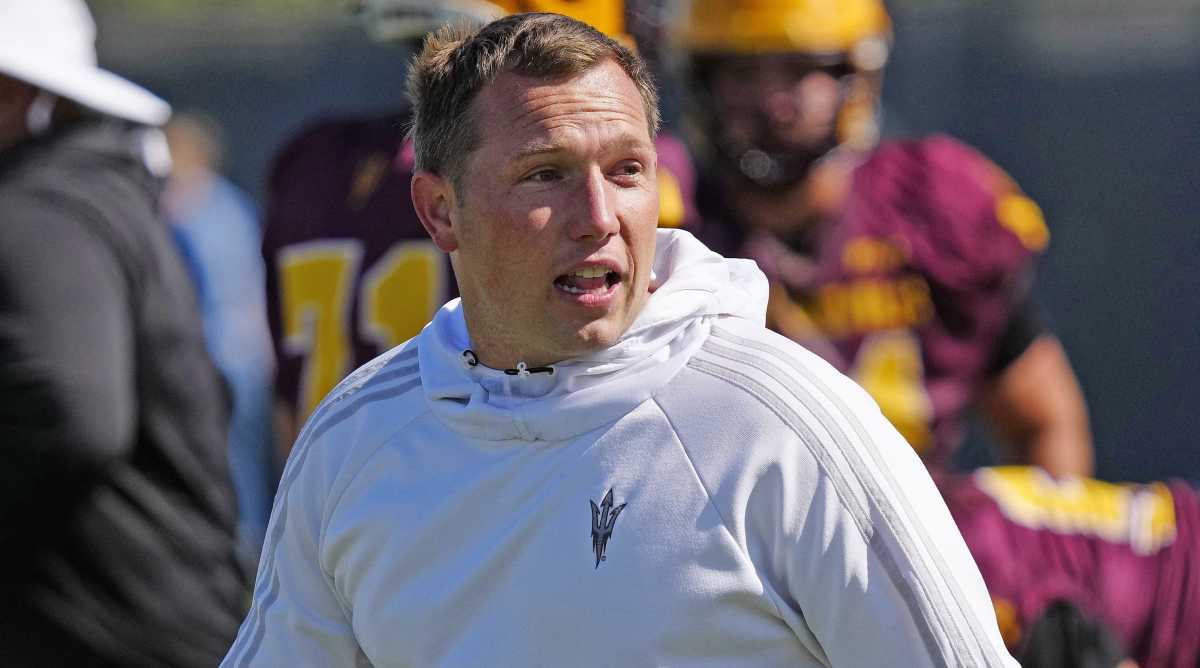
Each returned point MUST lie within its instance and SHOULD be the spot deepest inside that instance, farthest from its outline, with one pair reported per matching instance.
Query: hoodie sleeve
(296, 617)
(67, 395)
(843, 526)
(871, 558)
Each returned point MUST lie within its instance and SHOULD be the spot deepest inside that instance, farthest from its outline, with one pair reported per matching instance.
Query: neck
(495, 352)
(15, 98)
(13, 128)
(502, 361)
(816, 198)
(9, 139)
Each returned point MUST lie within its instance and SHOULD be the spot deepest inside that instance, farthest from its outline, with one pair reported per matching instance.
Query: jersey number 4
(890, 368)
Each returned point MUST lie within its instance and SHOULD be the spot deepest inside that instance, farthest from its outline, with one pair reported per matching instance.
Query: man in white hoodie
(598, 456)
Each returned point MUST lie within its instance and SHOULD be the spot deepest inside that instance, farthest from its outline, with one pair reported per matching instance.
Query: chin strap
(522, 369)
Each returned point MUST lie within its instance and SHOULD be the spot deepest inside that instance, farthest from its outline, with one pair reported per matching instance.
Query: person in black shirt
(116, 510)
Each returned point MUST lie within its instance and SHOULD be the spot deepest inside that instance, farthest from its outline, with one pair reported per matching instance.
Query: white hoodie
(703, 493)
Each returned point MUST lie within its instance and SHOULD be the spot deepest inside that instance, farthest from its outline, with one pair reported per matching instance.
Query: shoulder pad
(314, 145)
(956, 208)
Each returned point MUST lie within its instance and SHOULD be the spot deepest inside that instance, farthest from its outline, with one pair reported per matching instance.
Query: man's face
(785, 103)
(15, 98)
(555, 216)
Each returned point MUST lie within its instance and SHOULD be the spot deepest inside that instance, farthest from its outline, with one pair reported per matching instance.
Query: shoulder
(749, 385)
(329, 140)
(39, 230)
(809, 401)
(954, 205)
(769, 412)
(327, 133)
(96, 169)
(84, 191)
(372, 401)
(934, 157)
(937, 174)
(341, 179)
(768, 366)
(361, 412)
(957, 185)
(233, 200)
(753, 400)
(354, 421)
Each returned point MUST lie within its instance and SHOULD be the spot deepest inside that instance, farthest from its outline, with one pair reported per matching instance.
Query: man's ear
(434, 198)
(15, 98)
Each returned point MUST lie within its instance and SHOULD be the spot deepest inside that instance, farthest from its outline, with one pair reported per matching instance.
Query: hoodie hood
(90, 144)
(692, 286)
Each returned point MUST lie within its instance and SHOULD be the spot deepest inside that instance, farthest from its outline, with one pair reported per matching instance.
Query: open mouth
(593, 280)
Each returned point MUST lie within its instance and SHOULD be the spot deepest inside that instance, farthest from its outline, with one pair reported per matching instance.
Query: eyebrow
(535, 149)
(539, 148)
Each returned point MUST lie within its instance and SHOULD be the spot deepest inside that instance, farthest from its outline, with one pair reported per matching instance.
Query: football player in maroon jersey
(1125, 557)
(350, 271)
(906, 264)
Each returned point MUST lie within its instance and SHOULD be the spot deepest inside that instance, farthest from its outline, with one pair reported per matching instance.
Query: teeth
(590, 272)
(579, 291)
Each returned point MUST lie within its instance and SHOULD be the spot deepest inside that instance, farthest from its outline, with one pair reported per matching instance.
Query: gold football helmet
(849, 40)
(399, 20)
(808, 26)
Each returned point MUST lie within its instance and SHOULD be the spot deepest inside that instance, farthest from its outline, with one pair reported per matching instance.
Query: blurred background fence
(1092, 105)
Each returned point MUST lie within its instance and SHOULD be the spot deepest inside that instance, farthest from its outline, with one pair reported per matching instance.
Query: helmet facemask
(408, 21)
(770, 117)
(776, 86)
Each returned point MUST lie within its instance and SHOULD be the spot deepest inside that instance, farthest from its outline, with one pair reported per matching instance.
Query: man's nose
(596, 217)
(781, 105)
(809, 98)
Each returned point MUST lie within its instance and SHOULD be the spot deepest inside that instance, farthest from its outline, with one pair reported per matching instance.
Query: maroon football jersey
(910, 289)
(1128, 555)
(350, 270)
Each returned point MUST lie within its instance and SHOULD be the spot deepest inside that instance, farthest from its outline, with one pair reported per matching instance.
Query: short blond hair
(458, 61)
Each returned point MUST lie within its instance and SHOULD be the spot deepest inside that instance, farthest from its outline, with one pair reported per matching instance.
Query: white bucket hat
(51, 44)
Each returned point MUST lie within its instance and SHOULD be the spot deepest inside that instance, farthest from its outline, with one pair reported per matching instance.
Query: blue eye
(628, 172)
(544, 176)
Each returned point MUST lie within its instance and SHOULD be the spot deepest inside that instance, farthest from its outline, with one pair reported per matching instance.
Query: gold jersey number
(889, 367)
(398, 294)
